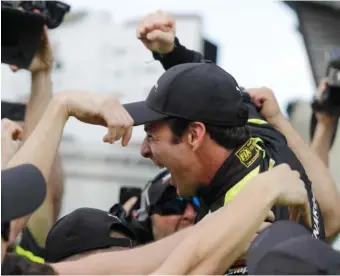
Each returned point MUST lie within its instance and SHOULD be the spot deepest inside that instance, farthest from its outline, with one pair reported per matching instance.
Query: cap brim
(23, 189)
(142, 114)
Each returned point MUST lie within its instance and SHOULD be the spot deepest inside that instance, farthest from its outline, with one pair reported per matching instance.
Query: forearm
(199, 255)
(322, 140)
(145, 259)
(323, 185)
(47, 214)
(56, 183)
(41, 94)
(40, 149)
(179, 55)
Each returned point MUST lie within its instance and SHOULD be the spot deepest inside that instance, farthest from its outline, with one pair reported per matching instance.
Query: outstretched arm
(323, 186)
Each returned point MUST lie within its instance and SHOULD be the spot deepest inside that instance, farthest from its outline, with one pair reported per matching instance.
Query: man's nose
(190, 213)
(145, 150)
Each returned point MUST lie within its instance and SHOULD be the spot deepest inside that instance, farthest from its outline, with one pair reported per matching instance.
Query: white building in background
(94, 54)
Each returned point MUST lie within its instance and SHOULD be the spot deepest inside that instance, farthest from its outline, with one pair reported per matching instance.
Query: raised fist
(265, 100)
(157, 31)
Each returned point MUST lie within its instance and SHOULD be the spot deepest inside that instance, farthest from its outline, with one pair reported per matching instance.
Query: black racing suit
(266, 148)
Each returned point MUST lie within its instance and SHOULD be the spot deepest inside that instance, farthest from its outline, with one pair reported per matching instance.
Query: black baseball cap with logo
(84, 230)
(201, 92)
(288, 248)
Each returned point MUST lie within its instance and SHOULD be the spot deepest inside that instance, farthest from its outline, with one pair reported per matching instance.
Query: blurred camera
(22, 28)
(53, 12)
(330, 99)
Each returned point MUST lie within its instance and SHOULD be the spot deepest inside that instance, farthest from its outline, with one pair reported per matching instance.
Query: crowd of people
(239, 191)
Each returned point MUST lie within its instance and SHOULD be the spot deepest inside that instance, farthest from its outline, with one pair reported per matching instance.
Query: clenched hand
(99, 109)
(157, 31)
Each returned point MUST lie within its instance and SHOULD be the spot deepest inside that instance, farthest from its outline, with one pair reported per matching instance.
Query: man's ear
(196, 133)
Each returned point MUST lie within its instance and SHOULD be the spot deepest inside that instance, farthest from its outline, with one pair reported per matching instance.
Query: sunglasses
(5, 228)
(175, 206)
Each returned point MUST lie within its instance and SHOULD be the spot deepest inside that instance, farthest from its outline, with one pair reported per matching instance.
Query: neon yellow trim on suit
(237, 188)
(257, 121)
(28, 254)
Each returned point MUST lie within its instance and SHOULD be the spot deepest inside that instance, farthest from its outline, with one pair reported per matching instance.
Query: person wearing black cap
(161, 211)
(86, 231)
(23, 189)
(157, 31)
(206, 144)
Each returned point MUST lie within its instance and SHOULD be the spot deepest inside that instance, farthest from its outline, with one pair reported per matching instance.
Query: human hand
(99, 109)
(265, 100)
(291, 191)
(128, 205)
(11, 135)
(323, 117)
(157, 31)
(43, 58)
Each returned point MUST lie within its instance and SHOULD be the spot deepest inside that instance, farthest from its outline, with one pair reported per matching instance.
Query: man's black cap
(289, 248)
(201, 92)
(23, 189)
(21, 34)
(83, 230)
